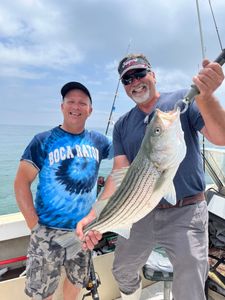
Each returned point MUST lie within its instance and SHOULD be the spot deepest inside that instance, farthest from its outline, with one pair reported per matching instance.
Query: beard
(142, 98)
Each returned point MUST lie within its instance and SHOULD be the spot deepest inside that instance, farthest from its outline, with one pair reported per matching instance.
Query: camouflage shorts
(45, 259)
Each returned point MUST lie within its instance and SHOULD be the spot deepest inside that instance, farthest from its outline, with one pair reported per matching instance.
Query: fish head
(164, 141)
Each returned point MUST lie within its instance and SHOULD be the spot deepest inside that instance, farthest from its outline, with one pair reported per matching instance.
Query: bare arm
(25, 176)
(207, 81)
(93, 237)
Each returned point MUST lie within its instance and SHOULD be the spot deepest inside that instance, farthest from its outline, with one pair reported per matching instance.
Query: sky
(46, 43)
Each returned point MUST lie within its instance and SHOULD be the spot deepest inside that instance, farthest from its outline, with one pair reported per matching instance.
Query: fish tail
(70, 242)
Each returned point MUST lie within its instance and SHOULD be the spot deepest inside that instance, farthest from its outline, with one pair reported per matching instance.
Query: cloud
(44, 44)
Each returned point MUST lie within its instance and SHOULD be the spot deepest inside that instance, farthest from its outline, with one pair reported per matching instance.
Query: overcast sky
(46, 43)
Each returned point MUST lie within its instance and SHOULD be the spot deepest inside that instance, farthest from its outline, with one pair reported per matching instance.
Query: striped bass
(142, 185)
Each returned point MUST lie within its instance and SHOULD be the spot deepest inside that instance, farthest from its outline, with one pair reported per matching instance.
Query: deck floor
(155, 292)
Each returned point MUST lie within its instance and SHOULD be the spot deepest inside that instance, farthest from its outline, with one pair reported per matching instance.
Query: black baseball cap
(130, 63)
(73, 85)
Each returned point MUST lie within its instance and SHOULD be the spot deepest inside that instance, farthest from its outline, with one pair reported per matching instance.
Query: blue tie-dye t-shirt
(68, 167)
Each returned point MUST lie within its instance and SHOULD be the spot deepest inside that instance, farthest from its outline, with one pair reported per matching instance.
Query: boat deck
(11, 289)
(155, 292)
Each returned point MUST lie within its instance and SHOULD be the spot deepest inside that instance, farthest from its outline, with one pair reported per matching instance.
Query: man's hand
(92, 237)
(208, 79)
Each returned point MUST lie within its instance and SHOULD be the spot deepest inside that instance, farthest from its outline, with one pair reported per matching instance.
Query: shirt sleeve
(34, 153)
(117, 141)
(110, 148)
(195, 117)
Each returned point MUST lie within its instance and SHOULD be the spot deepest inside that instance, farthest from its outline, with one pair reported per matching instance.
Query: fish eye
(157, 131)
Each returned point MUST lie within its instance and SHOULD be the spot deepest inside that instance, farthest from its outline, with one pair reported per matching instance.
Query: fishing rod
(200, 30)
(115, 96)
(93, 281)
(194, 91)
(216, 27)
(203, 56)
(112, 108)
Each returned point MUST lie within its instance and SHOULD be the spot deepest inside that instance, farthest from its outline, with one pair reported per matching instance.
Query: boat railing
(6, 262)
(214, 160)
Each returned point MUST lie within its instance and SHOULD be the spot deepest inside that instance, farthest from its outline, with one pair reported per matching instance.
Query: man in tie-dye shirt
(66, 160)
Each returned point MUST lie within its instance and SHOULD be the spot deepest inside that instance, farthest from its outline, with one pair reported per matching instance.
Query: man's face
(141, 88)
(76, 107)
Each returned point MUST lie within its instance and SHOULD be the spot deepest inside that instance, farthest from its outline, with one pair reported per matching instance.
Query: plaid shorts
(45, 259)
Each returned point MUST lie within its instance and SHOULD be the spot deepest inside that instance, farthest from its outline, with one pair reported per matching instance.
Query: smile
(138, 89)
(75, 114)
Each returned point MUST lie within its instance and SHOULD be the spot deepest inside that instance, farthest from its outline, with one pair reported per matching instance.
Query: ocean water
(13, 140)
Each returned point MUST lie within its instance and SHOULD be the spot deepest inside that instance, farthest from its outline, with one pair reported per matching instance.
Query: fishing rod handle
(194, 91)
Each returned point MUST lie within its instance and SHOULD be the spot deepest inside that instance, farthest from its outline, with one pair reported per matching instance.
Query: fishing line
(216, 27)
(189, 97)
(194, 91)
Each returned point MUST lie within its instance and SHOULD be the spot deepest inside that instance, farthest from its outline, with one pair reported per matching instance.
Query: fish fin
(147, 119)
(123, 231)
(118, 175)
(170, 196)
(168, 193)
(72, 250)
(70, 242)
(66, 239)
(99, 205)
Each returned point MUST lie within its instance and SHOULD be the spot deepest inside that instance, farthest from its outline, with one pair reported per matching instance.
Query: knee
(70, 290)
(118, 272)
(125, 276)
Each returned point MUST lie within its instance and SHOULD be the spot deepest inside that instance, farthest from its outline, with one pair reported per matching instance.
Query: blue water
(14, 139)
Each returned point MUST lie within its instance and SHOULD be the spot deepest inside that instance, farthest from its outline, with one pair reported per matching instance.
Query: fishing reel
(93, 281)
(92, 286)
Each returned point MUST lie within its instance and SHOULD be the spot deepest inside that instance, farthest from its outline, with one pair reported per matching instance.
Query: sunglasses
(128, 79)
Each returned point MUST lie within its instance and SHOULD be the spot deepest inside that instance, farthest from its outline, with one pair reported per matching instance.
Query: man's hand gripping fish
(142, 185)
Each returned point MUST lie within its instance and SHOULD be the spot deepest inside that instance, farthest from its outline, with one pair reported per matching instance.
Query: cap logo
(129, 63)
(134, 63)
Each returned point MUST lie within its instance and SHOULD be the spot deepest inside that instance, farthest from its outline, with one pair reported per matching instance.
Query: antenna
(116, 94)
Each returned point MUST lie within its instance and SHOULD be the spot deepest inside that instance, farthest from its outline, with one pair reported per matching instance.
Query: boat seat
(166, 277)
(159, 268)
